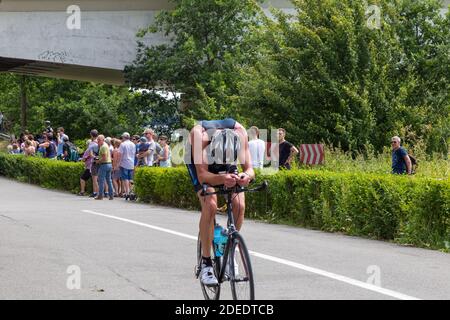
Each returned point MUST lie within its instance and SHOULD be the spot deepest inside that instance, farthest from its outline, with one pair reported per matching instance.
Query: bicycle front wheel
(242, 282)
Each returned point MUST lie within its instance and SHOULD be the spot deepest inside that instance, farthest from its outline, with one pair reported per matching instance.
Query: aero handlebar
(235, 189)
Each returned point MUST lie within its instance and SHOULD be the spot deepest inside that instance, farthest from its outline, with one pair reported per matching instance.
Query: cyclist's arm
(245, 157)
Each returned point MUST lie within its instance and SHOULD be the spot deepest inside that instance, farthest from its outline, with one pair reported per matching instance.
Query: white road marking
(184, 235)
(320, 272)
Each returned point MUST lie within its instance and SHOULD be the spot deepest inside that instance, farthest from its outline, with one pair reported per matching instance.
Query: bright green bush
(50, 174)
(408, 210)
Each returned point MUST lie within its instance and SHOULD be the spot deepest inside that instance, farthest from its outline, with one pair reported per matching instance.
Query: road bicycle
(234, 265)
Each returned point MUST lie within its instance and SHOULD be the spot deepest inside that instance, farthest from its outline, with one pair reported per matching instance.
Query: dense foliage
(81, 106)
(207, 44)
(326, 73)
(331, 71)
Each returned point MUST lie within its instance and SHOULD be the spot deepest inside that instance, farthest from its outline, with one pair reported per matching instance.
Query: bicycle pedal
(196, 272)
(211, 285)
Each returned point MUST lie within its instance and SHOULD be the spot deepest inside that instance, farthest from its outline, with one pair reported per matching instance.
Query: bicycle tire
(242, 281)
(209, 292)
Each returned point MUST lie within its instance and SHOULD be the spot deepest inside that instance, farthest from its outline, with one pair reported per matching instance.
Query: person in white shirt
(126, 155)
(150, 153)
(257, 148)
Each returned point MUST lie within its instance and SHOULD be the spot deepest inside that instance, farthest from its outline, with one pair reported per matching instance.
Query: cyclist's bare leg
(238, 209)
(209, 208)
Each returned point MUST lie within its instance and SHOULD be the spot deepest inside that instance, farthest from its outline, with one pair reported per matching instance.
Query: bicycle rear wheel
(242, 281)
(209, 292)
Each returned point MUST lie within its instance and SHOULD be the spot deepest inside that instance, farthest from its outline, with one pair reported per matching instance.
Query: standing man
(126, 155)
(286, 150)
(87, 169)
(257, 148)
(401, 163)
(105, 168)
(60, 136)
(93, 153)
(48, 127)
(150, 153)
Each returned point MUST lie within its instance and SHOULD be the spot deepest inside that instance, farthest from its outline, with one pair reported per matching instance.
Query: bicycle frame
(231, 231)
(231, 228)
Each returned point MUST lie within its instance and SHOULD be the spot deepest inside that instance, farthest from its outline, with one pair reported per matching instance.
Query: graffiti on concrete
(54, 56)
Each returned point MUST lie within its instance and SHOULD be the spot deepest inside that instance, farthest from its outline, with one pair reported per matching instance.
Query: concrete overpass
(35, 38)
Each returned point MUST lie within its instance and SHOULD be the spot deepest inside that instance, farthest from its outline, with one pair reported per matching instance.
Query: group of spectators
(48, 144)
(110, 162)
(148, 150)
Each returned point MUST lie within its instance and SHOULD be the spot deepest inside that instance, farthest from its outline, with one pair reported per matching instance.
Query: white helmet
(224, 147)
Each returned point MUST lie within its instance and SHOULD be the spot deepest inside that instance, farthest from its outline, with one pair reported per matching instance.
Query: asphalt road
(51, 242)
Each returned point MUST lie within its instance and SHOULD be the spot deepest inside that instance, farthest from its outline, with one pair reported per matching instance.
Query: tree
(324, 75)
(206, 44)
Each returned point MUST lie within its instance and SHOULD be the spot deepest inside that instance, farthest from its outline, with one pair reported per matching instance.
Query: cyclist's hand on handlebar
(244, 179)
(230, 180)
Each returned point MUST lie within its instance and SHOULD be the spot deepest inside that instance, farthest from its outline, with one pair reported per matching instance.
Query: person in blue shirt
(401, 163)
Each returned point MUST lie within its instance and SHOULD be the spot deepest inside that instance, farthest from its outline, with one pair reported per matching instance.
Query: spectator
(33, 142)
(87, 169)
(108, 141)
(70, 151)
(401, 163)
(141, 150)
(105, 168)
(60, 138)
(127, 154)
(49, 147)
(29, 149)
(13, 147)
(116, 167)
(22, 140)
(165, 154)
(286, 150)
(135, 140)
(257, 148)
(150, 153)
(93, 153)
(48, 127)
(16, 149)
(157, 150)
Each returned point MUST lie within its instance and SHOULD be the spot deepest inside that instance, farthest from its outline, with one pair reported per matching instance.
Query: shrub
(409, 210)
(50, 174)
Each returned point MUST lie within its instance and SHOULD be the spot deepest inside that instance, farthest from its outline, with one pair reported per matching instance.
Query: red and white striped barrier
(312, 154)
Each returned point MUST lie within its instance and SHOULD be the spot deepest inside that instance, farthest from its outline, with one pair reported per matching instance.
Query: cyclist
(215, 149)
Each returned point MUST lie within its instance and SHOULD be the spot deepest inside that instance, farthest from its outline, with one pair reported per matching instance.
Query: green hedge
(50, 174)
(405, 209)
(408, 210)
